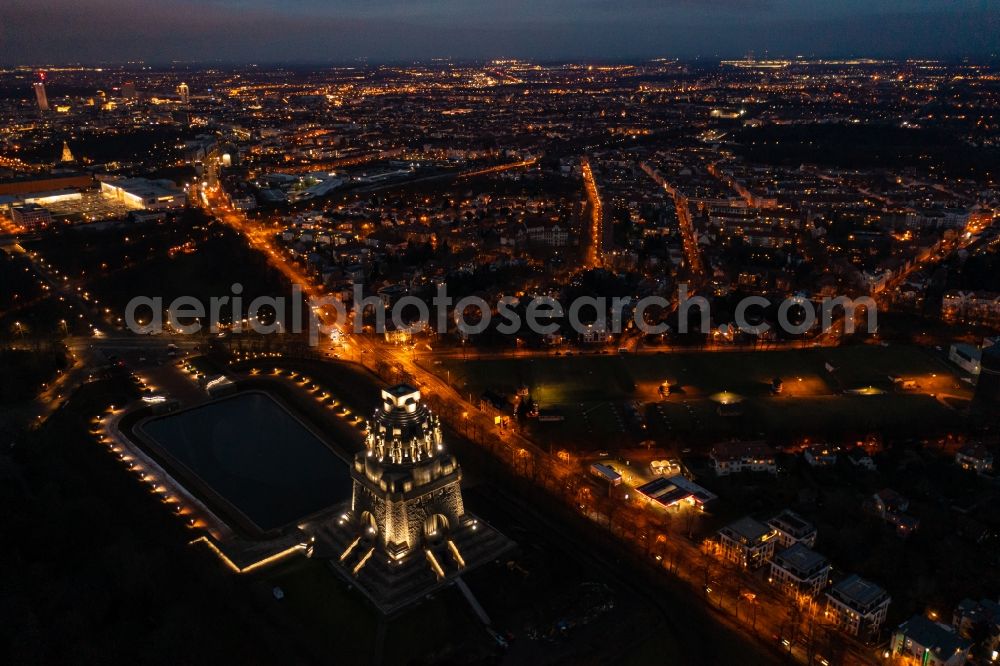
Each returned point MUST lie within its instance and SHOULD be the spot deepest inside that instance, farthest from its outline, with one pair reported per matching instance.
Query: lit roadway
(746, 604)
(499, 168)
(595, 251)
(339, 163)
(690, 239)
(970, 236)
(15, 164)
(50, 398)
(393, 355)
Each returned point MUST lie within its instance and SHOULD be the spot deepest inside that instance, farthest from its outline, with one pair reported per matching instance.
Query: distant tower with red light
(43, 99)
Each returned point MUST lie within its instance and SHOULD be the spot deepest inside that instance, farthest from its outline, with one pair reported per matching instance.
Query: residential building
(800, 571)
(887, 501)
(971, 307)
(860, 458)
(820, 455)
(791, 529)
(930, 643)
(891, 507)
(747, 542)
(975, 457)
(857, 606)
(734, 457)
(980, 619)
(967, 357)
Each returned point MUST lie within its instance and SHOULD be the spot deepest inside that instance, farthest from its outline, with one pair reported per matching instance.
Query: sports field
(615, 399)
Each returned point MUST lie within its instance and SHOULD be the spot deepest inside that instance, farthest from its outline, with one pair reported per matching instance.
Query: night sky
(54, 31)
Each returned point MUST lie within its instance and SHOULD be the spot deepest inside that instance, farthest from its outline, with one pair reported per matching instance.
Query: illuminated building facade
(857, 606)
(747, 542)
(791, 529)
(799, 570)
(406, 486)
(67, 154)
(929, 643)
(143, 194)
(405, 531)
(41, 97)
(30, 216)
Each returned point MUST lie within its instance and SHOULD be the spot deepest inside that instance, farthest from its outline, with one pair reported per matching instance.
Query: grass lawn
(591, 391)
(344, 625)
(328, 612)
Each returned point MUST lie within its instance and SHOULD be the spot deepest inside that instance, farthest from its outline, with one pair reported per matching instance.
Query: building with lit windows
(857, 606)
(929, 643)
(41, 97)
(747, 542)
(975, 457)
(791, 529)
(799, 571)
(144, 194)
(30, 216)
(735, 457)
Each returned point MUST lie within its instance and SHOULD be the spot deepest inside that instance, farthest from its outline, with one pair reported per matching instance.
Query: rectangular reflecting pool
(251, 453)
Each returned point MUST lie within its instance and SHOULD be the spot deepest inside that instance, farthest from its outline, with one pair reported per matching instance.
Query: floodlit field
(605, 398)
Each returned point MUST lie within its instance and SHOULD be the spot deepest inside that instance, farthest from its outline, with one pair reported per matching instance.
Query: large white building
(735, 457)
(144, 194)
(41, 97)
(30, 216)
(747, 542)
(799, 570)
(792, 528)
(857, 606)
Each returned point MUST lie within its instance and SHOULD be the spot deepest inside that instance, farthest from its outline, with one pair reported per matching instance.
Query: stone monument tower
(407, 491)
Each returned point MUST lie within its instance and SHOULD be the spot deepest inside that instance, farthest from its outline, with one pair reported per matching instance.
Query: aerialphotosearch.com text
(472, 315)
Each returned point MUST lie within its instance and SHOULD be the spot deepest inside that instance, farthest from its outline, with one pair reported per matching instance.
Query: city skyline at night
(56, 31)
(500, 334)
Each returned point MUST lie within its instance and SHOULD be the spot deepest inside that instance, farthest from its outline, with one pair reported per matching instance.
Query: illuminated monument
(406, 486)
(406, 530)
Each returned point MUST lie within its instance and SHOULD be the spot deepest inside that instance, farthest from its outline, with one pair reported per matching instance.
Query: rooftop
(933, 636)
(738, 450)
(748, 529)
(857, 592)
(801, 560)
(791, 523)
